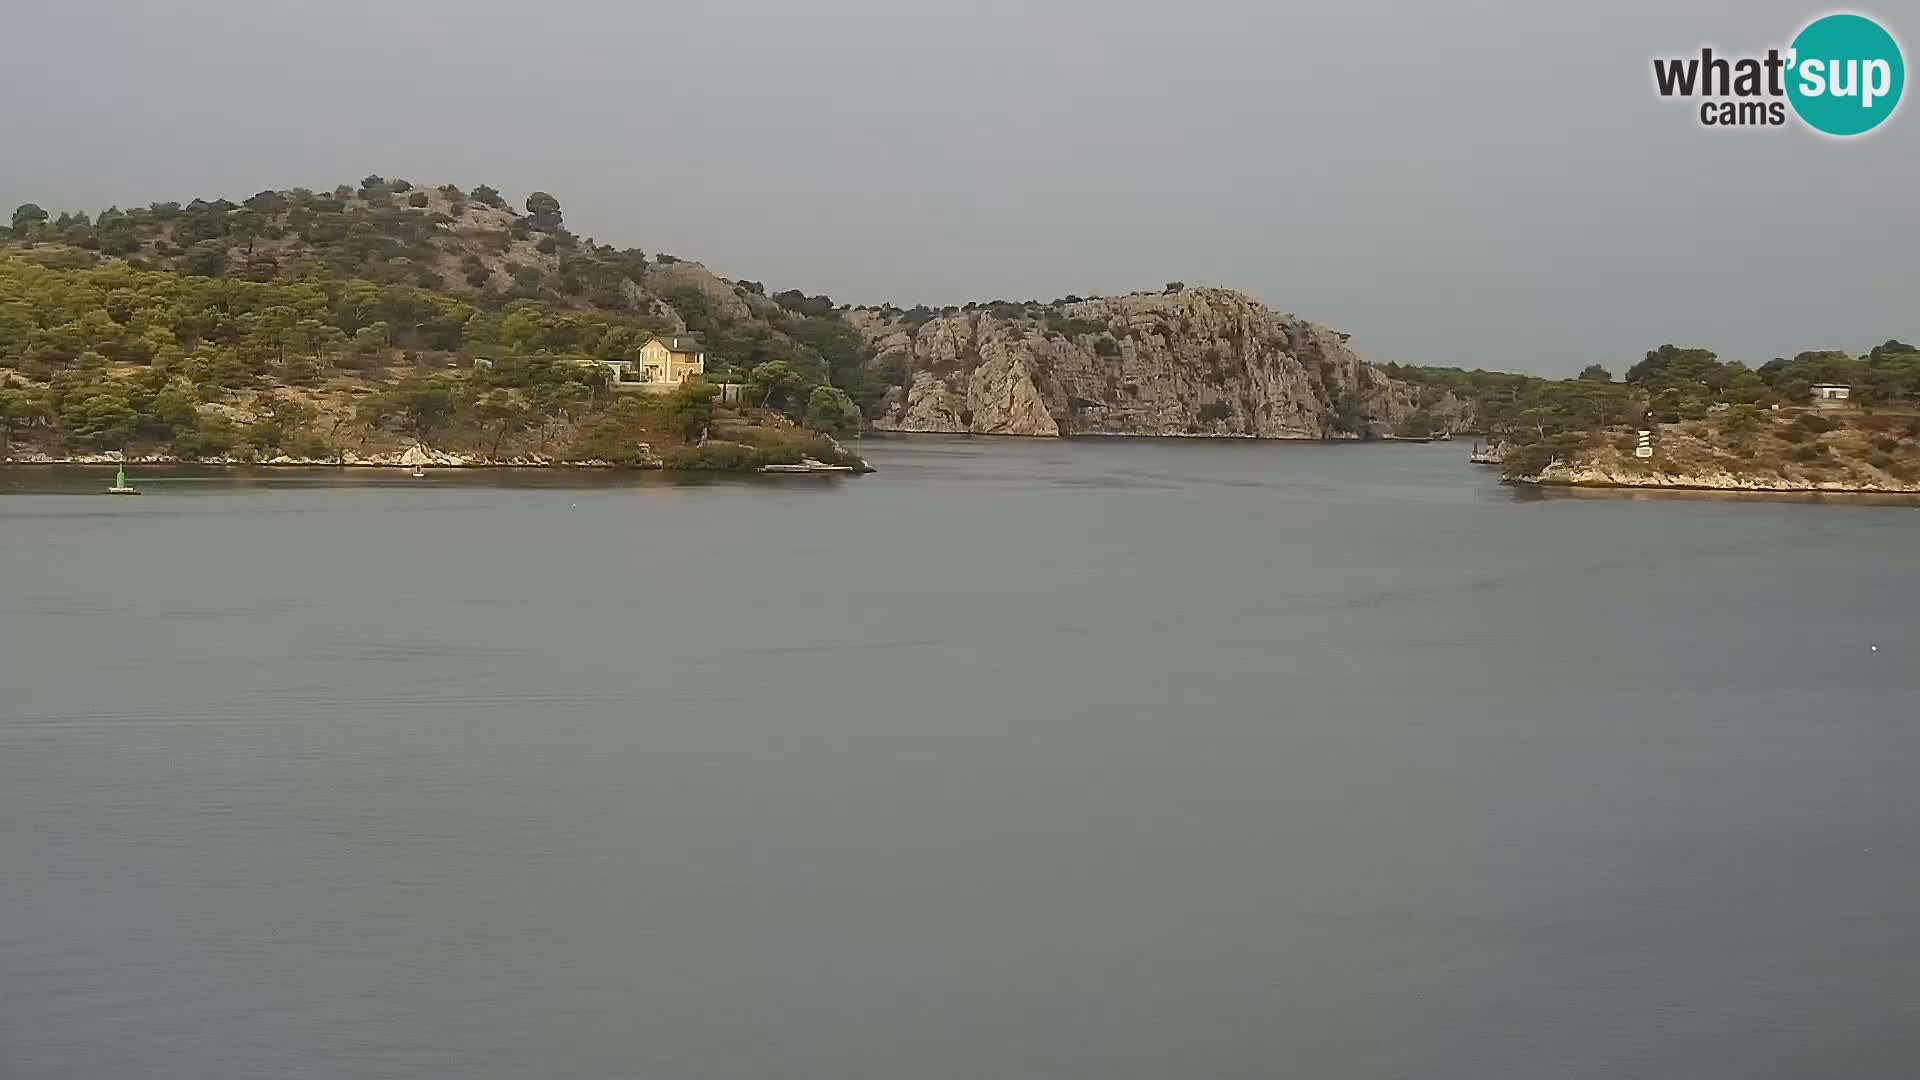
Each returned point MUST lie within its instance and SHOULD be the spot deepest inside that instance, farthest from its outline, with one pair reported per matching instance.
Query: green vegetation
(734, 446)
(1792, 447)
(830, 410)
(1541, 420)
(321, 321)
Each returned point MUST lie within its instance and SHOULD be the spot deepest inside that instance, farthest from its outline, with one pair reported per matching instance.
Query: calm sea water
(1013, 760)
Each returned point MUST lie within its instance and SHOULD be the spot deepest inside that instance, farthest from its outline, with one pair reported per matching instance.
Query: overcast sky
(1479, 183)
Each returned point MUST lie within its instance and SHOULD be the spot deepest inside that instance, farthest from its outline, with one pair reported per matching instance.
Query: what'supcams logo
(1842, 76)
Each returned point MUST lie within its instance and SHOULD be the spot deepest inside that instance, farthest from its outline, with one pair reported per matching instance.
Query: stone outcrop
(1194, 362)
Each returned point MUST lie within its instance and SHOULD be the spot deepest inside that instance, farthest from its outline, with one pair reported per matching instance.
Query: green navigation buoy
(120, 485)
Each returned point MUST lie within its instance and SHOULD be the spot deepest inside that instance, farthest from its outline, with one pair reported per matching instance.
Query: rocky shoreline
(415, 456)
(1590, 477)
(412, 457)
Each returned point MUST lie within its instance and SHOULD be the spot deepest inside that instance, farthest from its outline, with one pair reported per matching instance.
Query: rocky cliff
(1194, 362)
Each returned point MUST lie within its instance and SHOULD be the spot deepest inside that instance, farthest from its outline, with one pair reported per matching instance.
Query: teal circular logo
(1845, 74)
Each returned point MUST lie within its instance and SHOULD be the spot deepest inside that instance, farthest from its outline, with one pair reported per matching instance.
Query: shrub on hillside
(715, 455)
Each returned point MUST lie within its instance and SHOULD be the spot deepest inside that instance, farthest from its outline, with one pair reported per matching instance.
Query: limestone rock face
(1197, 362)
(1004, 399)
(932, 405)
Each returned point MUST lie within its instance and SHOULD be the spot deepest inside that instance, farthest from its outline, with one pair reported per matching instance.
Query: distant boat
(418, 471)
(1491, 454)
(120, 485)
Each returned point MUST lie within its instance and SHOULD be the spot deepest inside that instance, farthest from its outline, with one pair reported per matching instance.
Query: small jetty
(120, 484)
(807, 465)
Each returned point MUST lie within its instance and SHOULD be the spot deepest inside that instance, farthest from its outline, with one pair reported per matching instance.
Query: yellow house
(669, 361)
